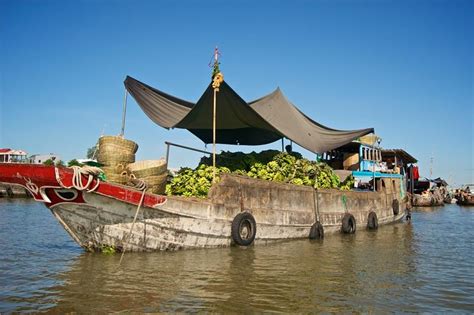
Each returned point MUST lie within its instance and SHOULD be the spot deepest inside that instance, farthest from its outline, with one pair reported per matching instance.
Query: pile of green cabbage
(271, 165)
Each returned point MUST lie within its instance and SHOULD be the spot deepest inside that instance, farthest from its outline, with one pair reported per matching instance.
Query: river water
(423, 266)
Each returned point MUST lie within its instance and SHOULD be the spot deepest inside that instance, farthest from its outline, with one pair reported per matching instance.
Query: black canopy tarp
(260, 122)
(291, 122)
(163, 109)
(236, 121)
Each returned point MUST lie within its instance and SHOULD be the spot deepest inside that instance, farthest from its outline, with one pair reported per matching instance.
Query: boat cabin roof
(400, 153)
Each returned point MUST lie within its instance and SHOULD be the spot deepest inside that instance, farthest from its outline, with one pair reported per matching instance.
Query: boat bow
(41, 181)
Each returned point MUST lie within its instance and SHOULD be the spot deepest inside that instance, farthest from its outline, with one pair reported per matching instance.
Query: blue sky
(402, 67)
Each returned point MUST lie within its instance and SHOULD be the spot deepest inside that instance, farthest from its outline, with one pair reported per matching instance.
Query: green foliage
(348, 183)
(60, 163)
(49, 162)
(287, 168)
(239, 160)
(107, 249)
(281, 167)
(196, 182)
(74, 162)
(91, 151)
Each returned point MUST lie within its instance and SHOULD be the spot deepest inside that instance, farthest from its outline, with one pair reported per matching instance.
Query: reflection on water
(422, 266)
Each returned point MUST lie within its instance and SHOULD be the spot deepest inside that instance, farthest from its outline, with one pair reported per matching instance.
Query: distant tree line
(90, 155)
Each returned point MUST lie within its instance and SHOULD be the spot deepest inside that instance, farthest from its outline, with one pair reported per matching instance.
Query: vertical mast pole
(124, 112)
(214, 139)
(214, 124)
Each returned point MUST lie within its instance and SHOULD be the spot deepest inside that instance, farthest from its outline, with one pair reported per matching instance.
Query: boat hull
(426, 201)
(103, 217)
(466, 200)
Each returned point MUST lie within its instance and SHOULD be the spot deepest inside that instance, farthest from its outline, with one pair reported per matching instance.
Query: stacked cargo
(117, 156)
(153, 172)
(115, 153)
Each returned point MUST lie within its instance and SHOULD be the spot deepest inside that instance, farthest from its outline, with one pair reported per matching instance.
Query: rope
(90, 171)
(141, 185)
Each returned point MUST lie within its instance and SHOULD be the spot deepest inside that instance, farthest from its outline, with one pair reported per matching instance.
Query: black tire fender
(316, 232)
(372, 221)
(244, 229)
(395, 207)
(348, 224)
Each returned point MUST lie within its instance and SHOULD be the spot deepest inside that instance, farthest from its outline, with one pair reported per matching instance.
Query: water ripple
(425, 266)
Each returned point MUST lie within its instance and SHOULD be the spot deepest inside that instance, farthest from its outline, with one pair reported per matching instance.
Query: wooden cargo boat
(239, 210)
(465, 196)
(428, 199)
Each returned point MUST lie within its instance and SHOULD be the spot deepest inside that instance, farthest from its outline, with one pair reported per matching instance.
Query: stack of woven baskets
(153, 172)
(115, 153)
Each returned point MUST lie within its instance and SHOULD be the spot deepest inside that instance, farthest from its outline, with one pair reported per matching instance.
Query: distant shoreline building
(13, 156)
(41, 158)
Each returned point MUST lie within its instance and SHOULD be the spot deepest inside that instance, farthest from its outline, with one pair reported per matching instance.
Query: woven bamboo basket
(155, 180)
(113, 159)
(152, 180)
(114, 169)
(147, 168)
(114, 143)
(155, 184)
(117, 178)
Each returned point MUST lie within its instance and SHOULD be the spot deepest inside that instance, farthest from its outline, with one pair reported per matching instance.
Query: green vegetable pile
(279, 167)
(189, 182)
(239, 161)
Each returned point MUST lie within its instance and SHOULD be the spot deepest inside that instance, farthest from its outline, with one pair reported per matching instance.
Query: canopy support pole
(214, 138)
(124, 113)
(217, 79)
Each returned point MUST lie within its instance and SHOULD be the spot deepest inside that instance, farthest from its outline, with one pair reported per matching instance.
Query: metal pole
(374, 152)
(167, 152)
(373, 166)
(124, 112)
(214, 139)
(282, 144)
(185, 147)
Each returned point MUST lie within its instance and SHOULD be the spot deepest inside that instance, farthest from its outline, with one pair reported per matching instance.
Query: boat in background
(465, 195)
(13, 156)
